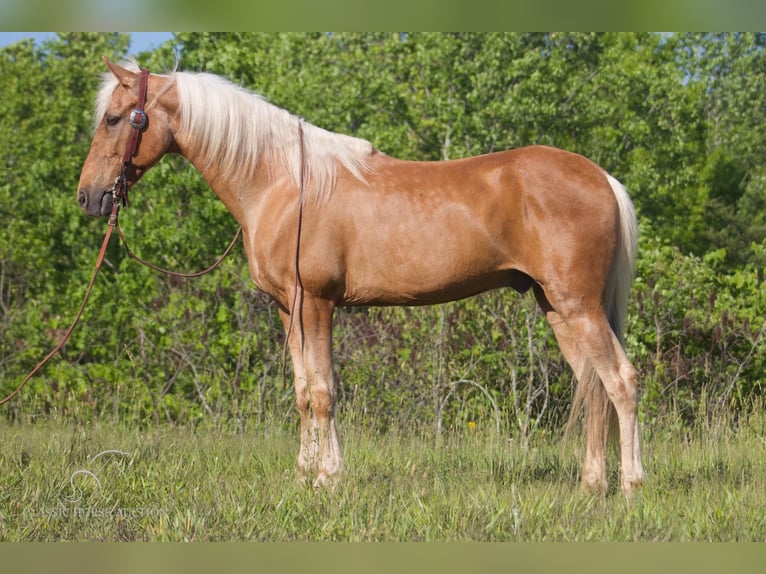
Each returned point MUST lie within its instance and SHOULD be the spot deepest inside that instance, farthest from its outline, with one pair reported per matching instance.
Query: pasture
(109, 482)
(165, 418)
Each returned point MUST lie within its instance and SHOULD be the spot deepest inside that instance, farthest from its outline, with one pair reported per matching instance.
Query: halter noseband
(138, 121)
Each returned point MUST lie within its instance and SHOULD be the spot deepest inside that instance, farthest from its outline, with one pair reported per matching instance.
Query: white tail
(621, 278)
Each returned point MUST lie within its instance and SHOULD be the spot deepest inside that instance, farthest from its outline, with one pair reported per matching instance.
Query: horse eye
(111, 120)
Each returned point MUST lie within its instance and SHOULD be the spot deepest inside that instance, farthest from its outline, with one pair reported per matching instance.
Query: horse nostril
(82, 199)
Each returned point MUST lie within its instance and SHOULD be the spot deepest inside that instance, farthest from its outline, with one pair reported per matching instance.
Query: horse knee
(323, 402)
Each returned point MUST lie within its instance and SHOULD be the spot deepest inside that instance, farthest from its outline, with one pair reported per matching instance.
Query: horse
(329, 221)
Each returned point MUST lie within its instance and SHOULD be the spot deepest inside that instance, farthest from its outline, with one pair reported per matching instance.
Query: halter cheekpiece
(138, 121)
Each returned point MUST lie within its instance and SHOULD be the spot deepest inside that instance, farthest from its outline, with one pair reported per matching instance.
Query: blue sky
(139, 41)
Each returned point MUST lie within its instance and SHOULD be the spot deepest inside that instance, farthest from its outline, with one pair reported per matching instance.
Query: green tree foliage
(732, 67)
(678, 118)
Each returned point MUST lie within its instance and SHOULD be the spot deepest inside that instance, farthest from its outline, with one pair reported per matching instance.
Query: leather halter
(138, 121)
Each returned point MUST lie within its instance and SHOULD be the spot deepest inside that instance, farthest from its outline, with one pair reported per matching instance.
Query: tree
(678, 118)
(732, 69)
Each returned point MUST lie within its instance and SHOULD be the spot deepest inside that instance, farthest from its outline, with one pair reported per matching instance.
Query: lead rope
(113, 223)
(298, 281)
(68, 332)
(154, 267)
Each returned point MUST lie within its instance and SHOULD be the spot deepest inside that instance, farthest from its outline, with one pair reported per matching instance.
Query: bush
(152, 349)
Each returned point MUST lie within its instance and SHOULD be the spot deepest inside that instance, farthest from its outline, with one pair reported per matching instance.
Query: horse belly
(432, 269)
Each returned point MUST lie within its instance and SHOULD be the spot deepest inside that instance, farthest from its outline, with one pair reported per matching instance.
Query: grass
(177, 483)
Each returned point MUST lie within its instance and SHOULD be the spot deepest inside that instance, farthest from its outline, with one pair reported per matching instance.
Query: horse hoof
(326, 482)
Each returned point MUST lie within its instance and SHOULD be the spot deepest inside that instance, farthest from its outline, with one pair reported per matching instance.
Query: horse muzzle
(97, 203)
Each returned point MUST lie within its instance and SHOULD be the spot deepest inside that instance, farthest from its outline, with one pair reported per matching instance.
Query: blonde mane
(239, 130)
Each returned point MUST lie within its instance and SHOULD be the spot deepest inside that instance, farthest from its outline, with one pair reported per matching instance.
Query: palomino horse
(328, 221)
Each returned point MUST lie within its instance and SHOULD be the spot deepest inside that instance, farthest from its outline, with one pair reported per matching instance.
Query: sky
(139, 41)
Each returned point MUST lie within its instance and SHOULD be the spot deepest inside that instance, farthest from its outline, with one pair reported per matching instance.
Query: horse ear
(125, 76)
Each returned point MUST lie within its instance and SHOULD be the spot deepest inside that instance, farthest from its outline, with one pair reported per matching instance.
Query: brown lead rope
(138, 121)
(176, 273)
(68, 332)
(112, 224)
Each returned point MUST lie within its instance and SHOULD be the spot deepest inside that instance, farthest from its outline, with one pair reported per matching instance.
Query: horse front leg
(307, 453)
(310, 343)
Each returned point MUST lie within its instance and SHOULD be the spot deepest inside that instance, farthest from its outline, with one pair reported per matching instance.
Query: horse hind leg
(607, 380)
(590, 395)
(604, 352)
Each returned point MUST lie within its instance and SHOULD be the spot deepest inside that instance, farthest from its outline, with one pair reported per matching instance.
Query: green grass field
(60, 481)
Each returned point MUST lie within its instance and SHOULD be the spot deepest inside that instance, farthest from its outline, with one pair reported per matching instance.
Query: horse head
(115, 126)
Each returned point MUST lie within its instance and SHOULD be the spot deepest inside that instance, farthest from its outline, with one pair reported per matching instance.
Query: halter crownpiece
(138, 121)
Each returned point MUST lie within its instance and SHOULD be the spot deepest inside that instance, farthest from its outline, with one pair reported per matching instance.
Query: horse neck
(230, 186)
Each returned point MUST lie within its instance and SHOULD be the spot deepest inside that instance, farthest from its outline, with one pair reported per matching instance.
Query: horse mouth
(107, 202)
